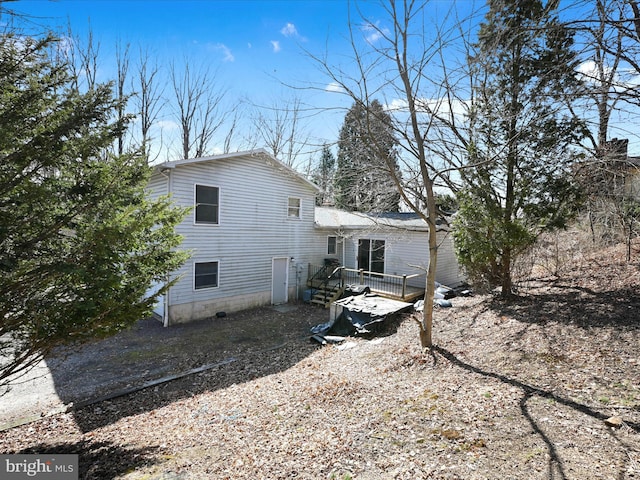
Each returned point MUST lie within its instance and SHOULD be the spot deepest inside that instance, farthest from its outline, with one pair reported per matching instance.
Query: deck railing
(398, 286)
(324, 278)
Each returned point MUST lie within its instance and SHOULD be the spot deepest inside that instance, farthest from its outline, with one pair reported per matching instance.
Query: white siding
(406, 253)
(448, 270)
(254, 227)
(401, 253)
(158, 185)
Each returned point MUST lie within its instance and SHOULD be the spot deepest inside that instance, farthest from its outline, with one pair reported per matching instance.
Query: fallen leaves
(509, 394)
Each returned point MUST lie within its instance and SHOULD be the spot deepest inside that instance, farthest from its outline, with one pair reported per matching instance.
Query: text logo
(40, 466)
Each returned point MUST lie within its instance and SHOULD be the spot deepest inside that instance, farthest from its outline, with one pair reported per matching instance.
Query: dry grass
(517, 390)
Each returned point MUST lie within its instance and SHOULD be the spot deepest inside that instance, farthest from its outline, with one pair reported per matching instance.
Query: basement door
(280, 280)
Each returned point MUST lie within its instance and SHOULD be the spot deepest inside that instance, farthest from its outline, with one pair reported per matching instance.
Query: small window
(332, 245)
(207, 204)
(294, 207)
(206, 275)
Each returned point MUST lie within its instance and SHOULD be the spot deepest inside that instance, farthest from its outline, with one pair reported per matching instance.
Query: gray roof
(327, 217)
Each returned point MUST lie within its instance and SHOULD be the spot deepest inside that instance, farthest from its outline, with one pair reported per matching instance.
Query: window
(332, 245)
(294, 208)
(205, 275)
(207, 204)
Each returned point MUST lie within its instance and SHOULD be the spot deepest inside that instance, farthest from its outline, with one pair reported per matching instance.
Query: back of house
(250, 233)
(392, 243)
(254, 235)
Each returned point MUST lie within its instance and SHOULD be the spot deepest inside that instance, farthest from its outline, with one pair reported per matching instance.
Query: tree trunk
(629, 239)
(425, 334)
(592, 224)
(430, 290)
(507, 284)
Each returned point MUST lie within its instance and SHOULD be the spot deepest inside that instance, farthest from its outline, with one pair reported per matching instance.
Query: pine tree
(323, 176)
(80, 243)
(366, 153)
(518, 181)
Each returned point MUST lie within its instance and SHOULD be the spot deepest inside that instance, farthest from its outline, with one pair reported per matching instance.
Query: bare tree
(392, 63)
(231, 132)
(148, 99)
(198, 103)
(322, 175)
(82, 56)
(279, 128)
(610, 38)
(610, 48)
(122, 70)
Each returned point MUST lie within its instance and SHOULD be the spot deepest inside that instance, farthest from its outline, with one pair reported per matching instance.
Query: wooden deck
(378, 285)
(412, 294)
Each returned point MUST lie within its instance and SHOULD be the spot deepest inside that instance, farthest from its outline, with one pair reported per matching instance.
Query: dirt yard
(544, 387)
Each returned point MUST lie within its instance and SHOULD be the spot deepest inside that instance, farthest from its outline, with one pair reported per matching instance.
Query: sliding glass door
(371, 255)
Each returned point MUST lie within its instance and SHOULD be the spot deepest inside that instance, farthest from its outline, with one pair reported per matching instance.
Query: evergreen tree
(366, 155)
(518, 182)
(323, 176)
(80, 242)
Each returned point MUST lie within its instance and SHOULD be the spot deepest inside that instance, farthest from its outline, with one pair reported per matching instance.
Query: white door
(158, 308)
(280, 280)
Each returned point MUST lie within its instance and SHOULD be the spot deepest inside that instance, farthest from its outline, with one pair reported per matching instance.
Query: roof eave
(249, 153)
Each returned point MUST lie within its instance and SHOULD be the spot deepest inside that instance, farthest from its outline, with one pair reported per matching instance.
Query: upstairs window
(207, 205)
(294, 208)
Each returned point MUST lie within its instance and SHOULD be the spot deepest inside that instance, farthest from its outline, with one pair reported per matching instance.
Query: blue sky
(247, 39)
(257, 49)
(254, 47)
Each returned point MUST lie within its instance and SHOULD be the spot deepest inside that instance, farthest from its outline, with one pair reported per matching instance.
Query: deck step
(325, 297)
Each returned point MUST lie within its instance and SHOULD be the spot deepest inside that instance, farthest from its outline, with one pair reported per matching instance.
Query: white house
(249, 232)
(388, 243)
(254, 232)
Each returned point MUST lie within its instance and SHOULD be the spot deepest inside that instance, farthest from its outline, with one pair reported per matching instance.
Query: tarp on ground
(360, 314)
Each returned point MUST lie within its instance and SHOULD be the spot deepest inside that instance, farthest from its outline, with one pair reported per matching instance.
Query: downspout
(298, 268)
(165, 299)
(165, 308)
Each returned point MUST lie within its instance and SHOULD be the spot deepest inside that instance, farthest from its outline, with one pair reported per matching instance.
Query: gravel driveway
(147, 354)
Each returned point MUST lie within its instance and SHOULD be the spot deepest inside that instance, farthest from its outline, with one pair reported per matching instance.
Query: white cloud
(289, 30)
(623, 78)
(275, 45)
(373, 33)
(334, 87)
(442, 106)
(397, 104)
(227, 56)
(634, 79)
(167, 125)
(589, 71)
(428, 105)
(373, 37)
